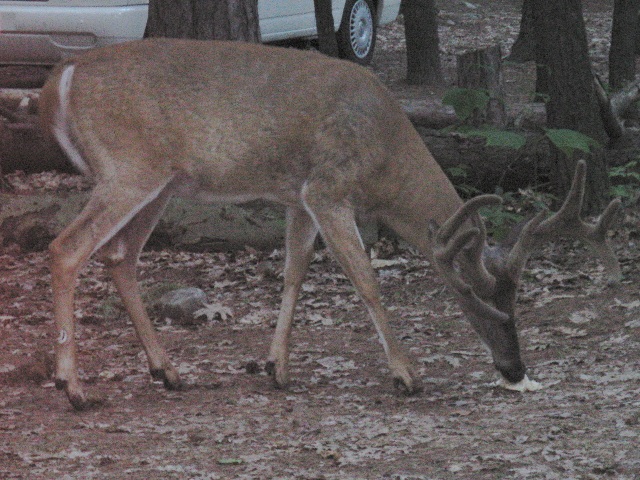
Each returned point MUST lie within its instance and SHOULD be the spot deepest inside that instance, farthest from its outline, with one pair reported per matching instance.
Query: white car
(42, 32)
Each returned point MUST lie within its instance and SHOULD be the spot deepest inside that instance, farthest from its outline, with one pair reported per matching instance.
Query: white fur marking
(63, 337)
(61, 118)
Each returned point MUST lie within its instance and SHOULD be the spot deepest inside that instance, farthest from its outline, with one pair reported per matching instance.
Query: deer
(232, 122)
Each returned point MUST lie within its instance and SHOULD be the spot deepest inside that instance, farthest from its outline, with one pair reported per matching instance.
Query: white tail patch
(61, 128)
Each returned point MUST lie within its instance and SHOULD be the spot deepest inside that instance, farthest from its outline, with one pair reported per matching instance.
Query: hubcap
(361, 28)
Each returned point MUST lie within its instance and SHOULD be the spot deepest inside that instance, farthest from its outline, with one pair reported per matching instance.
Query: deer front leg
(301, 234)
(338, 229)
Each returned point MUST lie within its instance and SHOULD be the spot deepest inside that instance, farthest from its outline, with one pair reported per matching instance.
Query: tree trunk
(482, 69)
(219, 20)
(561, 47)
(421, 33)
(327, 39)
(637, 35)
(524, 48)
(622, 59)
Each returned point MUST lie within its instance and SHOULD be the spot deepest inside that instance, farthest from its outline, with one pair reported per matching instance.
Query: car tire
(357, 32)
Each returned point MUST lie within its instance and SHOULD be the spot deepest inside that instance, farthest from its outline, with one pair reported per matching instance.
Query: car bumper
(25, 39)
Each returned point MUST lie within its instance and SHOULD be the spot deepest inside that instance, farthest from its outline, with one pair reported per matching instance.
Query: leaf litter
(341, 417)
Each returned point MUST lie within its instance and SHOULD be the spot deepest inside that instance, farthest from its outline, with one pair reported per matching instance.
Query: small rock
(181, 305)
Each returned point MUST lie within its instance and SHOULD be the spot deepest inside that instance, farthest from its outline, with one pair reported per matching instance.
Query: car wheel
(357, 33)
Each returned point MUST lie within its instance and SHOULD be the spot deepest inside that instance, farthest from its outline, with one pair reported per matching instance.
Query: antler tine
(449, 240)
(573, 203)
(569, 213)
(607, 218)
(462, 215)
(520, 251)
(596, 239)
(446, 251)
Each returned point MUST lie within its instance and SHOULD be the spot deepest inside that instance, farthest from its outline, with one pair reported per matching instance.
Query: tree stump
(482, 70)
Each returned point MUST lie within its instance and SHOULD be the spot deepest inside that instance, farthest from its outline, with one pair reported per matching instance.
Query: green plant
(625, 181)
(568, 141)
(515, 207)
(496, 138)
(458, 176)
(466, 101)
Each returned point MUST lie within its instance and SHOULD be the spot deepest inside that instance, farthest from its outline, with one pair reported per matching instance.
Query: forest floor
(341, 418)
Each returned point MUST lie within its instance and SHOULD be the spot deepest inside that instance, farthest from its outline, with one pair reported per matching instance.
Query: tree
(328, 43)
(423, 50)
(562, 49)
(622, 60)
(524, 48)
(219, 20)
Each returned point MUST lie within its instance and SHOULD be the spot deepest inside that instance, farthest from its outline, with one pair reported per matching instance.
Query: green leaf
(459, 171)
(498, 221)
(625, 171)
(465, 101)
(499, 138)
(622, 191)
(568, 141)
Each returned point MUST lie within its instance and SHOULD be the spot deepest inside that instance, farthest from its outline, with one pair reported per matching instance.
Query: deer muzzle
(512, 371)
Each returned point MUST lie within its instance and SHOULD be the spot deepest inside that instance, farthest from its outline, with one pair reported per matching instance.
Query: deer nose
(512, 371)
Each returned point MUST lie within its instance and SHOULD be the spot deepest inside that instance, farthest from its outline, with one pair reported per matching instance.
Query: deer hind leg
(301, 234)
(337, 225)
(99, 221)
(121, 255)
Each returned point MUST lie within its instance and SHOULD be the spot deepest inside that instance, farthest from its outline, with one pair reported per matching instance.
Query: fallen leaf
(213, 310)
(571, 332)
(230, 461)
(381, 263)
(628, 306)
(582, 316)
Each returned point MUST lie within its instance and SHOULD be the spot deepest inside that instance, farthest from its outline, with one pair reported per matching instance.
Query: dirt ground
(341, 418)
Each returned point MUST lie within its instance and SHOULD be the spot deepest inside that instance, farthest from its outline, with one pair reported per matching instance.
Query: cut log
(22, 144)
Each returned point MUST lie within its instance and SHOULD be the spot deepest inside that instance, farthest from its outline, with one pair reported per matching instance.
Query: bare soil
(341, 418)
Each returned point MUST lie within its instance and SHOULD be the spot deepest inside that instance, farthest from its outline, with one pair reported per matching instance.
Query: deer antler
(492, 273)
(567, 222)
(449, 240)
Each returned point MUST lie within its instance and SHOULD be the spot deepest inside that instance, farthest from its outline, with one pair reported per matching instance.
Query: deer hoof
(407, 382)
(279, 373)
(169, 376)
(76, 396)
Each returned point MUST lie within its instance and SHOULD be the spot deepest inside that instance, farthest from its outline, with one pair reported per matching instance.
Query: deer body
(235, 122)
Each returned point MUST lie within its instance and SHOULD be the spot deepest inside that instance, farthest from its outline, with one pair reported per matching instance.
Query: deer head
(488, 294)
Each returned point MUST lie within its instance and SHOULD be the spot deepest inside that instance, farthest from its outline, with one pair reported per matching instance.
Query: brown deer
(235, 122)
